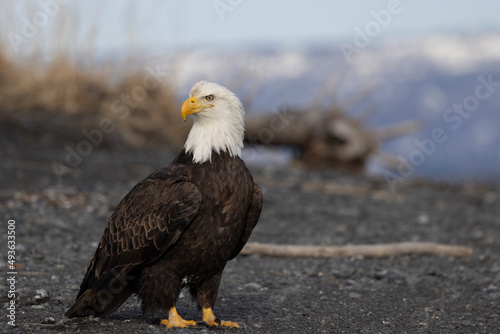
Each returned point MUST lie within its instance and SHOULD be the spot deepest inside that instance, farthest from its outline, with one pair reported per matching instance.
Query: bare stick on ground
(381, 250)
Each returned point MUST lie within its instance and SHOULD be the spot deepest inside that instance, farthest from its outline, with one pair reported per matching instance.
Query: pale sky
(154, 26)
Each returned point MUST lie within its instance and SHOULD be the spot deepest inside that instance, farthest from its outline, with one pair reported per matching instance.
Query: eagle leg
(175, 320)
(210, 319)
(206, 292)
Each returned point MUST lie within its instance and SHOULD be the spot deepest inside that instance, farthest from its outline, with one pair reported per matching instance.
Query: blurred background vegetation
(351, 87)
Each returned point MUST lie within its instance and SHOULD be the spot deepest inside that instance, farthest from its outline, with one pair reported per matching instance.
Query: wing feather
(252, 219)
(149, 219)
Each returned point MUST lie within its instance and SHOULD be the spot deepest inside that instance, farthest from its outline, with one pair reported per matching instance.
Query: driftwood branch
(323, 138)
(381, 250)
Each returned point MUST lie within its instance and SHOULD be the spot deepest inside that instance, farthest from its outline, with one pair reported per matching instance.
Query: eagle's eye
(209, 97)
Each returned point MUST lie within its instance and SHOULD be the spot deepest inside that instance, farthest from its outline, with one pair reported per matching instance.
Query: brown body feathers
(178, 227)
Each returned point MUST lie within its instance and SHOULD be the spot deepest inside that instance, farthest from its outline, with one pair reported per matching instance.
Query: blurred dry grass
(80, 96)
(84, 97)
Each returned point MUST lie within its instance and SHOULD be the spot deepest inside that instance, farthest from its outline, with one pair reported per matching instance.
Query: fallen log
(380, 250)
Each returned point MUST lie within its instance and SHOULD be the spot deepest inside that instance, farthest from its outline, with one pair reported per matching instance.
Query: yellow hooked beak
(190, 106)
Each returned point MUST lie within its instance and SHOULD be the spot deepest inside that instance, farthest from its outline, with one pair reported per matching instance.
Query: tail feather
(102, 296)
(97, 303)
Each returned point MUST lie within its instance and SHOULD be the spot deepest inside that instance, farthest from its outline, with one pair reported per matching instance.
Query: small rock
(423, 218)
(62, 323)
(350, 282)
(49, 321)
(342, 273)
(491, 287)
(355, 295)
(38, 307)
(253, 285)
(41, 297)
(379, 274)
(494, 295)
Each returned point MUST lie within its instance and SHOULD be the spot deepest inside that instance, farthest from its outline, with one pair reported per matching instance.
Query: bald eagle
(179, 226)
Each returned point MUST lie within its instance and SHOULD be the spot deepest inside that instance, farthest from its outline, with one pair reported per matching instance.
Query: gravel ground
(59, 223)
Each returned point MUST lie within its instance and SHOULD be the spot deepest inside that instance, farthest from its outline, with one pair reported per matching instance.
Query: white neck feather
(210, 134)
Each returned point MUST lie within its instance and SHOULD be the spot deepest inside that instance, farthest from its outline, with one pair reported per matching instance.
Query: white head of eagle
(219, 123)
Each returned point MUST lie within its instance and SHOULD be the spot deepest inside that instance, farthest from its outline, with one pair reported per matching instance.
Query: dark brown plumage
(176, 228)
(183, 221)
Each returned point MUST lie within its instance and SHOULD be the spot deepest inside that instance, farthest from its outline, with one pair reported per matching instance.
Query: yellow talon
(210, 319)
(175, 320)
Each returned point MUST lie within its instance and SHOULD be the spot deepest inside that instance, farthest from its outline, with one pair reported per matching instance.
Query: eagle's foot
(175, 320)
(210, 319)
